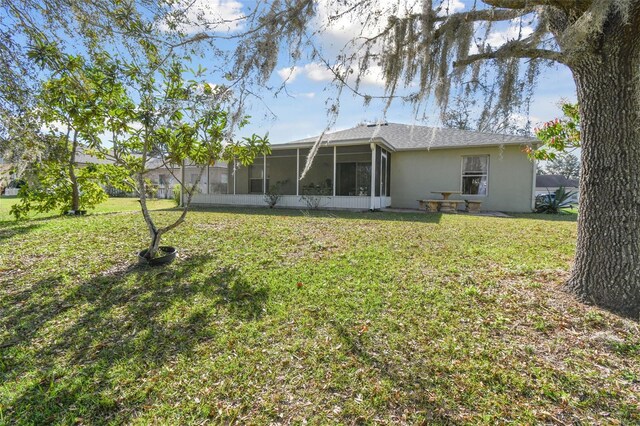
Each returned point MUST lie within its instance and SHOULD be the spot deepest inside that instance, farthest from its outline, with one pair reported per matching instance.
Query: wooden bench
(444, 206)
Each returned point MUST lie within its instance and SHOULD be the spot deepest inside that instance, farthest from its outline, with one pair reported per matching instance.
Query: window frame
(462, 174)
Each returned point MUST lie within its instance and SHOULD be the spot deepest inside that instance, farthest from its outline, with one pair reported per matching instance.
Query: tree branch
(520, 4)
(487, 15)
(514, 49)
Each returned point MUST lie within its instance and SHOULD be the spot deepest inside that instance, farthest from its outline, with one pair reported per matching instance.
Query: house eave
(340, 142)
(440, 147)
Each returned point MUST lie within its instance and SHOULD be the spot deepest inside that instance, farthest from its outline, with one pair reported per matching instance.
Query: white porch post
(208, 184)
(234, 176)
(264, 173)
(297, 172)
(373, 176)
(533, 183)
(334, 171)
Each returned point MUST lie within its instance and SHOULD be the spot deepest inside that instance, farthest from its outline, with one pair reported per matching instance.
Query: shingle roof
(555, 181)
(405, 137)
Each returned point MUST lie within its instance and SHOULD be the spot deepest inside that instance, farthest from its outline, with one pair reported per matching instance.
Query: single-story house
(165, 177)
(548, 184)
(388, 165)
(6, 177)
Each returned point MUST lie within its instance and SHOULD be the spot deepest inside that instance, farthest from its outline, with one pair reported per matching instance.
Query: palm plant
(556, 202)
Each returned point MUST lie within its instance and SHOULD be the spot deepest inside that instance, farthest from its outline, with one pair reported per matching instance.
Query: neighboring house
(213, 181)
(546, 184)
(165, 177)
(6, 177)
(402, 163)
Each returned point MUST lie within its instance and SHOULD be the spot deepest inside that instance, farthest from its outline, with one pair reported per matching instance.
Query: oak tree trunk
(607, 263)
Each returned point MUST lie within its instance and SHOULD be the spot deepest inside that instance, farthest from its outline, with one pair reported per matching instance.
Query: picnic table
(447, 205)
(446, 194)
(444, 204)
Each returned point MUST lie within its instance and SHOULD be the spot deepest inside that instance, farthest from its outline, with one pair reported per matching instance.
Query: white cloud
(521, 120)
(194, 16)
(318, 72)
(337, 27)
(307, 95)
(514, 32)
(373, 76)
(314, 71)
(290, 73)
(450, 6)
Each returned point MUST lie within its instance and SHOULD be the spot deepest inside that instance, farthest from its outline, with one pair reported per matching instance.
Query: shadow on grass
(88, 355)
(18, 228)
(337, 214)
(562, 217)
(416, 387)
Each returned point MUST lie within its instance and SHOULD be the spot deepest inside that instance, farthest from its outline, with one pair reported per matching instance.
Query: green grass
(109, 206)
(398, 318)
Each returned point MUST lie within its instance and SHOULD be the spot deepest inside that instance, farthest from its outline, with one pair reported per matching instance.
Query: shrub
(554, 203)
(313, 195)
(274, 193)
(176, 194)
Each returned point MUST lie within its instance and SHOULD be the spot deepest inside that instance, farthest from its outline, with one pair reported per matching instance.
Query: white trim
(264, 173)
(334, 170)
(290, 201)
(383, 154)
(533, 184)
(345, 142)
(297, 172)
(373, 176)
(234, 176)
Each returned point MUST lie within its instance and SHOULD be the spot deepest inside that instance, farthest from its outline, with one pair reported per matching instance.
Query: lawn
(282, 316)
(110, 206)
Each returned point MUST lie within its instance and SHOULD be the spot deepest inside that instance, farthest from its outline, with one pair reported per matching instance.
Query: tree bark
(607, 263)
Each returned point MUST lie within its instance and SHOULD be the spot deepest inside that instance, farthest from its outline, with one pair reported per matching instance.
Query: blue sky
(301, 111)
(304, 113)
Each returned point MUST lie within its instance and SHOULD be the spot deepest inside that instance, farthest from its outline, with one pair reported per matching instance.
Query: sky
(301, 111)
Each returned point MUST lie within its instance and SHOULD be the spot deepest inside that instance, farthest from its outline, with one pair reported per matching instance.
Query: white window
(475, 175)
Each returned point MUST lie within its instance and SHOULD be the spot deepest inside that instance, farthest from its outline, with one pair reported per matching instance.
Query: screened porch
(340, 177)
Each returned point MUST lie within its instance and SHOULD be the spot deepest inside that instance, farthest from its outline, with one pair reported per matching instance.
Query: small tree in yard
(175, 122)
(69, 106)
(559, 137)
(154, 117)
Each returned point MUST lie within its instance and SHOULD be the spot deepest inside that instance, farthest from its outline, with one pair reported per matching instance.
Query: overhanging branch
(514, 49)
(487, 15)
(520, 4)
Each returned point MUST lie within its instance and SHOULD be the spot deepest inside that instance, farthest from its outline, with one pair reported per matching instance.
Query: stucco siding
(414, 174)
